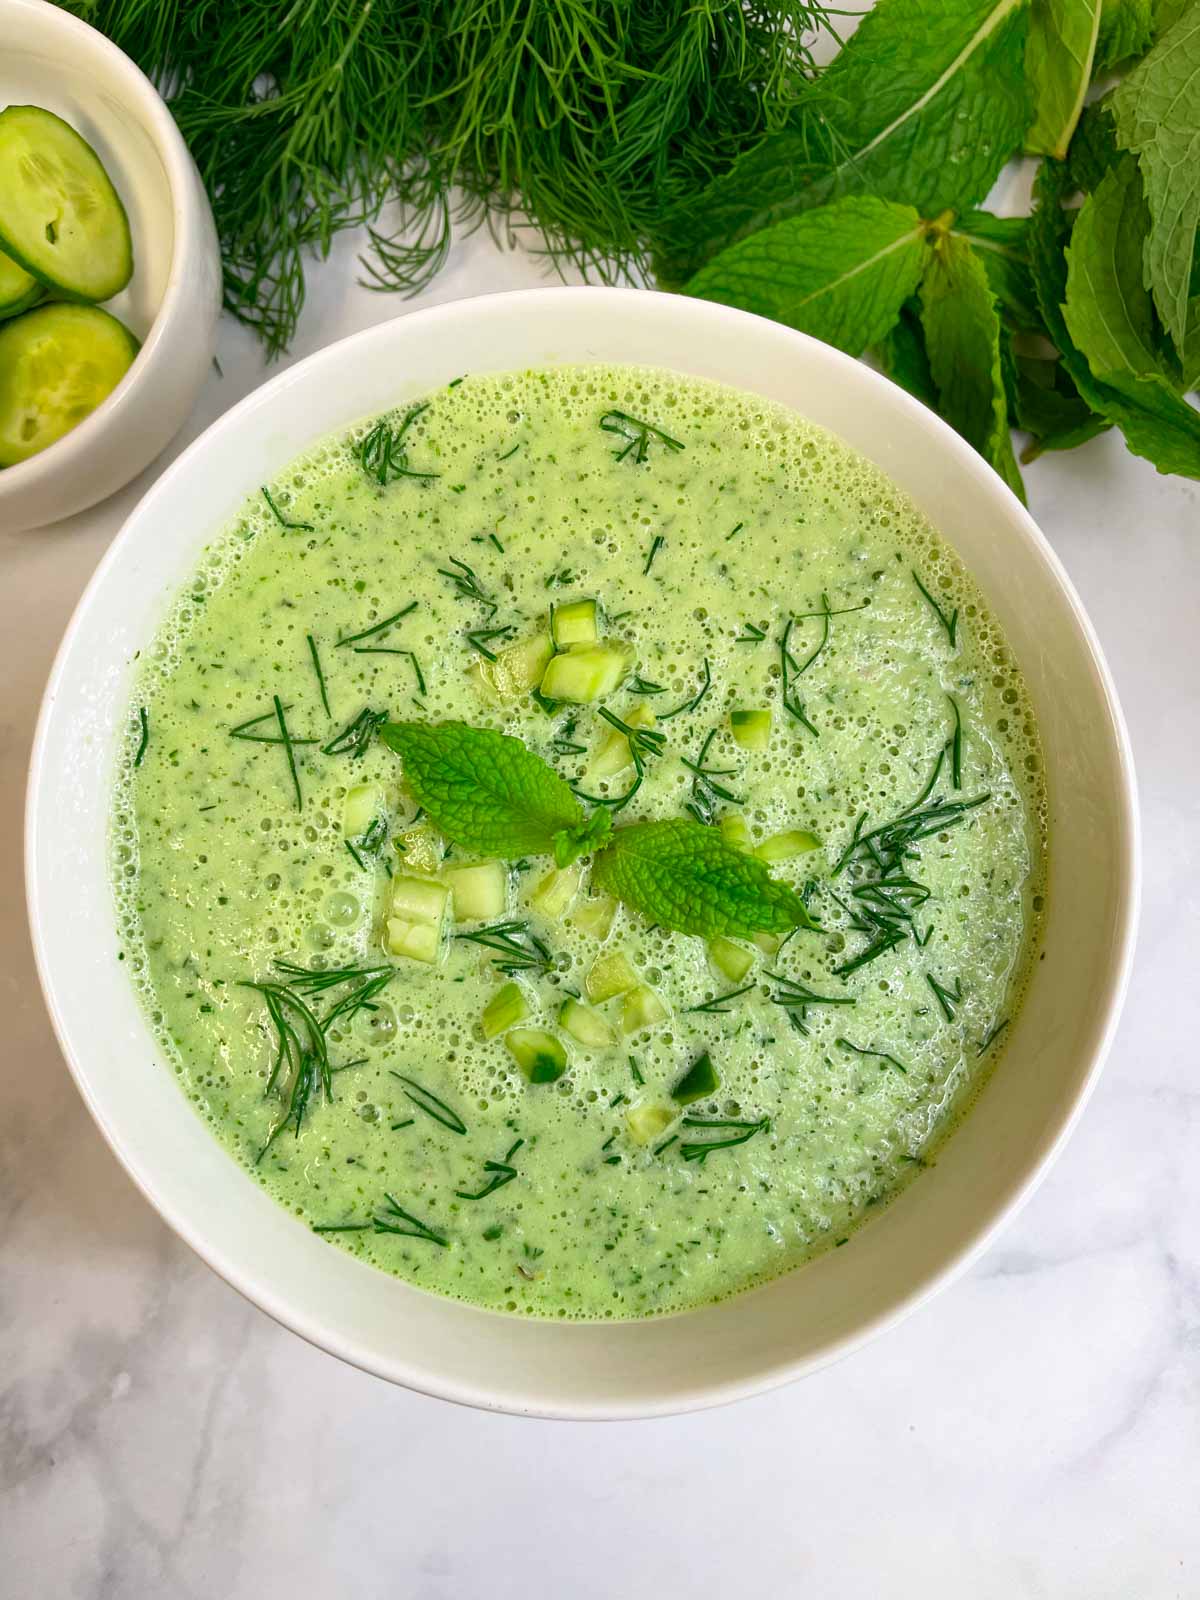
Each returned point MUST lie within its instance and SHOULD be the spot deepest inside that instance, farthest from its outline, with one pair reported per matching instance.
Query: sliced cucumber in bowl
(57, 364)
(60, 217)
(18, 289)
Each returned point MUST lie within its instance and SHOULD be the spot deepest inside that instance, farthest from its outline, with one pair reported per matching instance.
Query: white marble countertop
(1034, 1432)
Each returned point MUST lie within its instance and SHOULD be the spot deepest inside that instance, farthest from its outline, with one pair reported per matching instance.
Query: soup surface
(728, 1109)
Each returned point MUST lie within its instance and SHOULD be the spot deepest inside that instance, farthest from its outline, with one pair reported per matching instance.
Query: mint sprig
(686, 877)
(488, 793)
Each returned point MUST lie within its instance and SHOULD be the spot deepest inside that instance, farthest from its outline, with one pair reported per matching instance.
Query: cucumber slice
(751, 729)
(420, 848)
(362, 805)
(587, 671)
(539, 1055)
(504, 1010)
(516, 670)
(730, 960)
(784, 846)
(584, 1025)
(735, 831)
(613, 754)
(647, 1122)
(558, 888)
(699, 1081)
(595, 915)
(60, 217)
(18, 289)
(575, 623)
(610, 975)
(642, 1008)
(479, 892)
(56, 365)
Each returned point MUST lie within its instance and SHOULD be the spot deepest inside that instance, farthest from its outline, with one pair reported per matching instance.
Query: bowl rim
(702, 1394)
(182, 180)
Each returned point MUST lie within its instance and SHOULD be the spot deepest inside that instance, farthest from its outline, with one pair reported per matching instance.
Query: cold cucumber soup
(666, 991)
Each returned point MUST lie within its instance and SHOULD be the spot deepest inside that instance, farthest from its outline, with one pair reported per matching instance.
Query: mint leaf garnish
(962, 336)
(487, 792)
(840, 273)
(1002, 245)
(1047, 405)
(903, 356)
(1058, 61)
(686, 877)
(1126, 32)
(1157, 112)
(923, 106)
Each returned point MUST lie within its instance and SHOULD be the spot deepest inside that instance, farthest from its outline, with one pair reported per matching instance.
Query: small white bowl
(49, 58)
(800, 1321)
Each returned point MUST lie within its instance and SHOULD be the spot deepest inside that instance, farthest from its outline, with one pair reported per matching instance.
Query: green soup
(727, 1111)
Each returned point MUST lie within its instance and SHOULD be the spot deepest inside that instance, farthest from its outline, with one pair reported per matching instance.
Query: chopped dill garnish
(242, 731)
(477, 638)
(718, 1006)
(956, 744)
(505, 457)
(705, 790)
(383, 454)
(642, 741)
(788, 670)
(733, 533)
(753, 634)
(990, 1037)
(642, 685)
(428, 1102)
(392, 1214)
(792, 995)
(879, 1055)
(666, 1144)
(637, 435)
(377, 627)
(466, 584)
(950, 623)
(501, 1172)
(292, 527)
(948, 999)
(636, 1071)
(144, 737)
(689, 706)
(656, 545)
(316, 661)
(738, 1130)
(285, 739)
(515, 948)
(355, 738)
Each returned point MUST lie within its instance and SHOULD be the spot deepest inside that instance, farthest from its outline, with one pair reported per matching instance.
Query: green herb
(377, 628)
(956, 745)
(948, 999)
(718, 1006)
(355, 738)
(501, 1173)
(143, 738)
(487, 792)
(636, 1071)
(292, 527)
(425, 1100)
(686, 877)
(736, 1130)
(734, 531)
(752, 635)
(382, 453)
(706, 791)
(788, 671)
(1058, 60)
(393, 1214)
(656, 545)
(637, 435)
(689, 706)
(242, 731)
(990, 1037)
(879, 1055)
(285, 739)
(792, 995)
(477, 639)
(466, 584)
(950, 623)
(316, 661)
(641, 685)
(518, 950)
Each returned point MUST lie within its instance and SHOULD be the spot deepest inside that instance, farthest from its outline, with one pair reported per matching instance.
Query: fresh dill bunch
(587, 120)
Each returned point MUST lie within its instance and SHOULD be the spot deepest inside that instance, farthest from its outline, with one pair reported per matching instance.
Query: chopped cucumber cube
(362, 805)
(698, 1082)
(417, 940)
(587, 672)
(642, 1009)
(735, 831)
(612, 754)
(731, 960)
(540, 1056)
(584, 1024)
(611, 975)
(516, 669)
(594, 915)
(751, 729)
(479, 892)
(504, 1010)
(645, 1123)
(574, 624)
(557, 889)
(768, 943)
(420, 848)
(783, 846)
(419, 899)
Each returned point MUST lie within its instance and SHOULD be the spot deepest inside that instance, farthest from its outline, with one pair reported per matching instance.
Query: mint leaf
(840, 272)
(962, 335)
(1156, 423)
(1157, 112)
(487, 792)
(903, 356)
(1047, 405)
(685, 876)
(1058, 60)
(1126, 32)
(923, 106)
(1108, 309)
(1094, 148)
(1002, 246)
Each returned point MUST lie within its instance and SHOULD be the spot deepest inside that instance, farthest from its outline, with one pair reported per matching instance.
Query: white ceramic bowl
(51, 59)
(800, 1321)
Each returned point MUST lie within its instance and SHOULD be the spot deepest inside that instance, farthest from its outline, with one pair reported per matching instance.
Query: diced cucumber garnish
(731, 960)
(516, 669)
(594, 915)
(784, 846)
(57, 364)
(768, 943)
(60, 217)
(698, 1082)
(613, 754)
(735, 831)
(557, 889)
(419, 848)
(751, 729)
(540, 1056)
(362, 805)
(611, 974)
(584, 1024)
(645, 1123)
(479, 892)
(587, 672)
(419, 899)
(508, 1006)
(575, 623)
(419, 941)
(642, 1009)
(18, 289)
